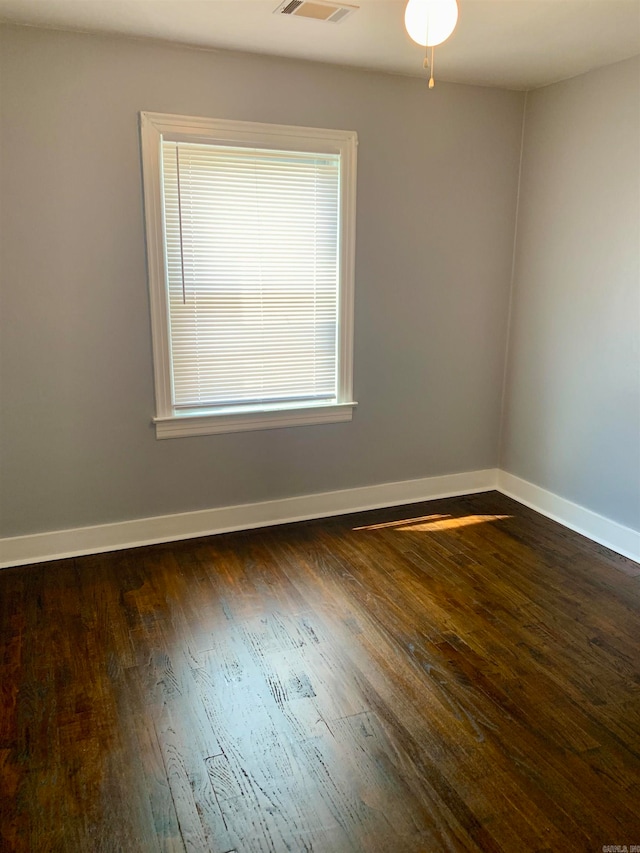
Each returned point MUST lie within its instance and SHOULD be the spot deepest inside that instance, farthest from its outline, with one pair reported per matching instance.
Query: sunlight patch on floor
(430, 523)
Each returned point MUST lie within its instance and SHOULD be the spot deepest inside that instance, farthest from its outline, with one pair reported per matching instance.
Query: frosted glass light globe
(430, 22)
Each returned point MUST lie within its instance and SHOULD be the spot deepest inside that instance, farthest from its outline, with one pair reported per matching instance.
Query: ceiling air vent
(316, 9)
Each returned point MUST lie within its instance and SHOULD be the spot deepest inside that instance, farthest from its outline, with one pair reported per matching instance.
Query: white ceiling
(517, 44)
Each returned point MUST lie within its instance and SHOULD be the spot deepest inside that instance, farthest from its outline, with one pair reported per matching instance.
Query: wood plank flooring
(461, 675)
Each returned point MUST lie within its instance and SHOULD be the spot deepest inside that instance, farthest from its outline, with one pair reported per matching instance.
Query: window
(250, 241)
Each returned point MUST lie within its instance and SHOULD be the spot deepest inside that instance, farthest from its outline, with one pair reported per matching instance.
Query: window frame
(154, 127)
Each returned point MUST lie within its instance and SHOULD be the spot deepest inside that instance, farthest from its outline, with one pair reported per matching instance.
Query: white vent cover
(318, 10)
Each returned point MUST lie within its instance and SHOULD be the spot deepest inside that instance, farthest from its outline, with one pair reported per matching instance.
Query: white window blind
(252, 255)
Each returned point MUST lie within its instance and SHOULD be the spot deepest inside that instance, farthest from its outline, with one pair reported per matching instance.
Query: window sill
(188, 423)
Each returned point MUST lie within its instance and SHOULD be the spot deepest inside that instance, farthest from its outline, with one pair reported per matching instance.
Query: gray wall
(572, 405)
(436, 199)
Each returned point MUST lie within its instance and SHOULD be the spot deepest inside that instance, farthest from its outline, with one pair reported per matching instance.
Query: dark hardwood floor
(462, 675)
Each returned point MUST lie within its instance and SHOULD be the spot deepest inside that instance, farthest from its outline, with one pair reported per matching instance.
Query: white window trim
(154, 127)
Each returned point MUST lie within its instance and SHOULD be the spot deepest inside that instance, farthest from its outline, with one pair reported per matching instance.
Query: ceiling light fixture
(430, 22)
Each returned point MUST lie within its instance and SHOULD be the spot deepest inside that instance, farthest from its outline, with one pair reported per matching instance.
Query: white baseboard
(59, 544)
(623, 540)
